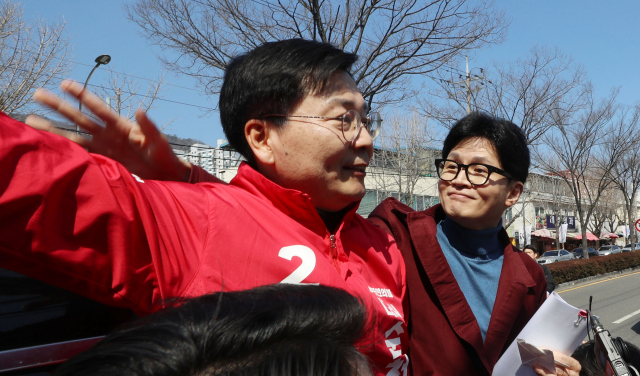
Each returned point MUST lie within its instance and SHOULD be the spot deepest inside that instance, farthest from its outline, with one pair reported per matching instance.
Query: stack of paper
(557, 325)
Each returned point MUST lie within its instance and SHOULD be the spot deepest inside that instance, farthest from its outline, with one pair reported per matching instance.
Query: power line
(136, 94)
(126, 74)
(141, 78)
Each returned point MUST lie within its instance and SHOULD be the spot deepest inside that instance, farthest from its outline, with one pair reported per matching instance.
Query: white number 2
(308, 262)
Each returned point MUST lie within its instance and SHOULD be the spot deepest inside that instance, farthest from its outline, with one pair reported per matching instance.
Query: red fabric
(82, 222)
(590, 237)
(200, 175)
(444, 336)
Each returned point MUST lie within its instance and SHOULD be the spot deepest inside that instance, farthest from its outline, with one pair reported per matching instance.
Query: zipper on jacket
(334, 247)
(334, 252)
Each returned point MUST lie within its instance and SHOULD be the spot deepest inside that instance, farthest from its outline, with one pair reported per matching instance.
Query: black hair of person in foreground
(279, 330)
(591, 365)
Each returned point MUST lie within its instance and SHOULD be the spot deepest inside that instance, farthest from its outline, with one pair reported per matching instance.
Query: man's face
(477, 207)
(312, 156)
(530, 253)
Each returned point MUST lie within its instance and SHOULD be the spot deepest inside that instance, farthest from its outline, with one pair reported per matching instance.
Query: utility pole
(466, 84)
(524, 218)
(118, 100)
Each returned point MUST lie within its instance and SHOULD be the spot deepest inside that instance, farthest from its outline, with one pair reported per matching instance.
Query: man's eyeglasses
(351, 123)
(477, 173)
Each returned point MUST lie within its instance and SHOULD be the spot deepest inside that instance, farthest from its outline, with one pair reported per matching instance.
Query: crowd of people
(434, 292)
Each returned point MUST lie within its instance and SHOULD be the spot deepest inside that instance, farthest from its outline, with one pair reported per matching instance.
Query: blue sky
(603, 36)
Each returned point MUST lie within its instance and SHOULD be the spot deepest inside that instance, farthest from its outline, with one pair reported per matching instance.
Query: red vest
(82, 222)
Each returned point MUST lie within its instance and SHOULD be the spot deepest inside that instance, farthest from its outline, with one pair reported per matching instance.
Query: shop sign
(570, 220)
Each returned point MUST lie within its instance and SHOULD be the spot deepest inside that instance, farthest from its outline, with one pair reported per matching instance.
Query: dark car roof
(48, 324)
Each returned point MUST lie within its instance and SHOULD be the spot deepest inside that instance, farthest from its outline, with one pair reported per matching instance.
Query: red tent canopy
(609, 235)
(544, 233)
(590, 236)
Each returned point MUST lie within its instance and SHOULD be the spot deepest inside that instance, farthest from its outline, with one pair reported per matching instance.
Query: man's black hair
(271, 79)
(531, 247)
(274, 330)
(507, 138)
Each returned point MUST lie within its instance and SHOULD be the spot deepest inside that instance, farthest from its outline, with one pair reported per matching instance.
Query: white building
(221, 161)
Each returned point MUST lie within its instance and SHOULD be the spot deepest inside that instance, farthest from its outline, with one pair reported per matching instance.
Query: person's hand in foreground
(140, 147)
(573, 369)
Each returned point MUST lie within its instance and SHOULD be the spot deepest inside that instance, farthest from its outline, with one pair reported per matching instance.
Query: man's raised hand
(140, 147)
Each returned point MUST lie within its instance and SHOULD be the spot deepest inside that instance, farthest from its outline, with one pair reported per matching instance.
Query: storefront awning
(590, 237)
(544, 233)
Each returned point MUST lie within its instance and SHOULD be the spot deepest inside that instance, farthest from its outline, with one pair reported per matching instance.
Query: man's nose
(363, 140)
(461, 178)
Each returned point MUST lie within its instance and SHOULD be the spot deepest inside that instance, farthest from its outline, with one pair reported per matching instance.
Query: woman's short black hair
(271, 79)
(507, 138)
(278, 330)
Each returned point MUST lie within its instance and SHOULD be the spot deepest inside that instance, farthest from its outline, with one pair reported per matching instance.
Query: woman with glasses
(470, 290)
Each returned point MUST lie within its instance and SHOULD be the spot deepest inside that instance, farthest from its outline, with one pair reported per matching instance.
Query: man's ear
(515, 190)
(257, 132)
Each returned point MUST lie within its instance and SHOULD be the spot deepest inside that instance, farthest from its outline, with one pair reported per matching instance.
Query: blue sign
(569, 220)
(551, 221)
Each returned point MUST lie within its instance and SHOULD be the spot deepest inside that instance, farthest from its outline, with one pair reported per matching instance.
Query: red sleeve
(200, 175)
(82, 222)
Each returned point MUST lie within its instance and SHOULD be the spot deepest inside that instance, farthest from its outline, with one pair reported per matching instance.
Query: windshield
(605, 247)
(550, 253)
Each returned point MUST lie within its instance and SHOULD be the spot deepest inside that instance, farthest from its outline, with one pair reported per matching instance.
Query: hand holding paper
(557, 326)
(544, 360)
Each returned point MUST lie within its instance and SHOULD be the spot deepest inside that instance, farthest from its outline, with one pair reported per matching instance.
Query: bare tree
(396, 39)
(404, 157)
(552, 194)
(582, 149)
(625, 174)
(125, 93)
(605, 213)
(31, 56)
(525, 91)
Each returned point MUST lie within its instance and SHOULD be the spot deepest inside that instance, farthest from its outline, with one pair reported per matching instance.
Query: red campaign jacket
(444, 336)
(82, 222)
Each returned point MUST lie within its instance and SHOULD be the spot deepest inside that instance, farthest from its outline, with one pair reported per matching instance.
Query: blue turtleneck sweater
(475, 258)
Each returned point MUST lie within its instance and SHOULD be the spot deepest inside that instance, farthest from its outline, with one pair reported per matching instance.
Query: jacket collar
(512, 287)
(291, 202)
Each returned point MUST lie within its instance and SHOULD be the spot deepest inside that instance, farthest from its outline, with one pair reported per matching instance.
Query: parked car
(577, 253)
(627, 248)
(609, 250)
(554, 256)
(42, 325)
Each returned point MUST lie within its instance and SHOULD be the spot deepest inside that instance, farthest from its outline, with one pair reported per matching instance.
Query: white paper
(556, 325)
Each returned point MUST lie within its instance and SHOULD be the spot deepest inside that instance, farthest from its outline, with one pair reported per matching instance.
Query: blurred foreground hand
(140, 147)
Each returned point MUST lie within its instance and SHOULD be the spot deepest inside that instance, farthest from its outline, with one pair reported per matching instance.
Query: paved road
(616, 301)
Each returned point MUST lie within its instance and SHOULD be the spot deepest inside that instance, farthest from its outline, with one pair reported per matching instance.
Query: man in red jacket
(83, 222)
(470, 291)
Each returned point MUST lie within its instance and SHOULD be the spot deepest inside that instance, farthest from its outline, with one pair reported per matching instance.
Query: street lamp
(100, 60)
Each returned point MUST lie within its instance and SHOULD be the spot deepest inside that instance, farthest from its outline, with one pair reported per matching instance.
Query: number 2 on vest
(308, 258)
